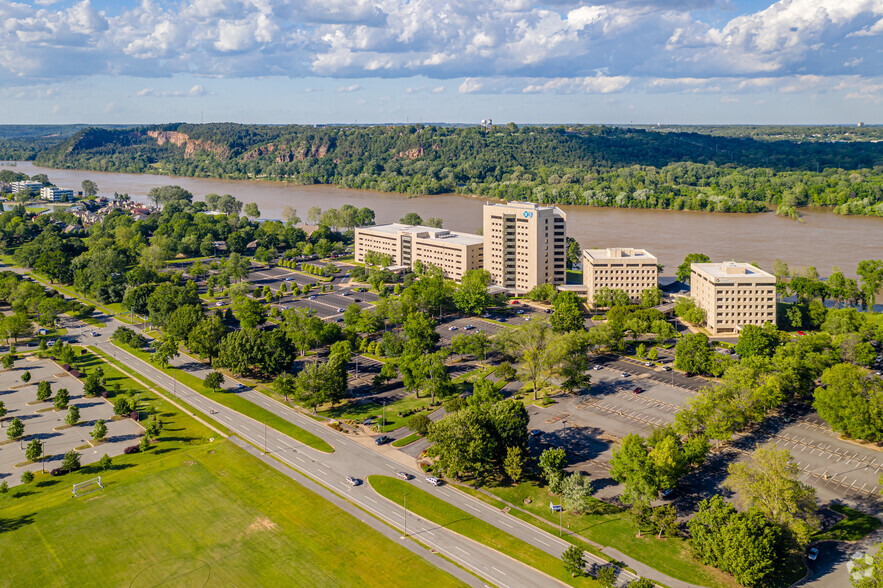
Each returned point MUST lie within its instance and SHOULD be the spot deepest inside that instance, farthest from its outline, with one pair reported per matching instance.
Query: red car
(637, 390)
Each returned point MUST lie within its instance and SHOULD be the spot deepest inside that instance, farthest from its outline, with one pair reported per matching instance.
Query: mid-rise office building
(733, 295)
(455, 253)
(25, 186)
(631, 270)
(525, 245)
(54, 194)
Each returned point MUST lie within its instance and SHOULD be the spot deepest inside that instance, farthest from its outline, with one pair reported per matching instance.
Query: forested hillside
(715, 170)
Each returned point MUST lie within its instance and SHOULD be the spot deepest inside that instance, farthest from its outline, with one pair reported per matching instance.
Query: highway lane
(353, 459)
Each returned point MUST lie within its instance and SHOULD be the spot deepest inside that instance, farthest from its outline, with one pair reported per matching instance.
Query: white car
(452, 328)
(352, 481)
(219, 303)
(289, 279)
(433, 481)
(339, 310)
(624, 375)
(404, 475)
(94, 333)
(597, 367)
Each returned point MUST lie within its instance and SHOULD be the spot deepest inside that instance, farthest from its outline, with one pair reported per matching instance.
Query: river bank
(823, 240)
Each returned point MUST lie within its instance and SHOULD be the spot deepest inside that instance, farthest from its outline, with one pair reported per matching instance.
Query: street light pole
(405, 515)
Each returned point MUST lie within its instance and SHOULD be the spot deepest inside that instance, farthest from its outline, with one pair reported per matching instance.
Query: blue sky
(373, 61)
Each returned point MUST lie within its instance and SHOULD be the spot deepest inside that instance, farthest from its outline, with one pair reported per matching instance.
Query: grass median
(425, 505)
(853, 527)
(407, 440)
(209, 515)
(615, 529)
(236, 402)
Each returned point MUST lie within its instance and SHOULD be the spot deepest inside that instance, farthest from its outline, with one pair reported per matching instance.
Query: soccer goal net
(88, 486)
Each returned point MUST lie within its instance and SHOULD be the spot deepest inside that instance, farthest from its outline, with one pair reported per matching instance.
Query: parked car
(666, 492)
(433, 481)
(637, 390)
(452, 328)
(624, 374)
(312, 298)
(353, 481)
(648, 363)
(535, 433)
(94, 333)
(344, 293)
(812, 554)
(666, 368)
(382, 440)
(288, 279)
(468, 328)
(339, 310)
(404, 475)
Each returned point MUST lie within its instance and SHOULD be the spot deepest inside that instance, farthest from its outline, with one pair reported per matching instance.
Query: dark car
(535, 432)
(382, 440)
(637, 390)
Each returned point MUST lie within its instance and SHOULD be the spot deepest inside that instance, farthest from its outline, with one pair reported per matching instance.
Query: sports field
(210, 515)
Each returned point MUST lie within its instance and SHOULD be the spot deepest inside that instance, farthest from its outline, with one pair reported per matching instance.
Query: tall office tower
(525, 245)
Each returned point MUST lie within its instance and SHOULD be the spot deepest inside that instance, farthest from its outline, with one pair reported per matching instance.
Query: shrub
(131, 449)
(26, 377)
(27, 477)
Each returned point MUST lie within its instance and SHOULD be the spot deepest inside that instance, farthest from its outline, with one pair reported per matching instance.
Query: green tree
(568, 313)
(249, 312)
(44, 391)
(90, 188)
(26, 377)
(205, 338)
(759, 340)
(251, 210)
(851, 401)
(419, 423)
(573, 561)
(34, 450)
(71, 461)
(552, 462)
(514, 463)
(105, 463)
(2, 411)
(166, 350)
(632, 467)
(606, 576)
(683, 273)
(310, 388)
(123, 405)
(214, 381)
(692, 353)
(867, 571)
(651, 297)
(144, 444)
(61, 400)
(284, 385)
(529, 344)
(572, 360)
(73, 415)
(768, 482)
(669, 461)
(464, 443)
(471, 296)
(99, 431)
(871, 273)
(27, 477)
(576, 490)
(15, 429)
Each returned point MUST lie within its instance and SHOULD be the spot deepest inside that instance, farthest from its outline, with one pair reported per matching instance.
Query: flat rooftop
(624, 253)
(421, 232)
(525, 206)
(732, 270)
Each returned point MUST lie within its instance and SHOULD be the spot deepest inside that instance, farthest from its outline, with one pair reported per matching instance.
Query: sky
(458, 61)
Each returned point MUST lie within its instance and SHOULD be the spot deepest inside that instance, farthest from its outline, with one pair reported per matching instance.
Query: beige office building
(733, 295)
(631, 270)
(455, 253)
(524, 245)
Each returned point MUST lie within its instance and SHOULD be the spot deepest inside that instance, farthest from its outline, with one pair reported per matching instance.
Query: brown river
(823, 240)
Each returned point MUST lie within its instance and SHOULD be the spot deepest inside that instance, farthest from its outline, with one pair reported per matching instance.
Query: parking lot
(44, 423)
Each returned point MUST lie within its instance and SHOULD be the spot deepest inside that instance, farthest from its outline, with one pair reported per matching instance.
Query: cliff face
(288, 154)
(191, 146)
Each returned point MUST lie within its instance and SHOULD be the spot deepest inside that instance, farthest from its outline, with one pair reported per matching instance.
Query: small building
(733, 295)
(618, 268)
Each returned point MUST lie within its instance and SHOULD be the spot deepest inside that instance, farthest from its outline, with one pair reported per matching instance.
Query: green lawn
(352, 410)
(857, 525)
(239, 404)
(407, 440)
(211, 515)
(669, 556)
(442, 513)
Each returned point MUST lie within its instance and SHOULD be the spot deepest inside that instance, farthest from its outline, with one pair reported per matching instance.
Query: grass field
(208, 516)
(239, 404)
(669, 556)
(442, 513)
(857, 525)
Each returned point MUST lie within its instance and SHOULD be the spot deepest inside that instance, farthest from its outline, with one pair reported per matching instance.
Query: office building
(733, 295)
(525, 245)
(455, 253)
(54, 194)
(631, 270)
(25, 186)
